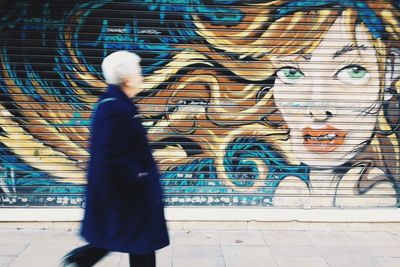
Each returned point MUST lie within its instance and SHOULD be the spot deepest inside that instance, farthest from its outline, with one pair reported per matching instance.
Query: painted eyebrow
(348, 48)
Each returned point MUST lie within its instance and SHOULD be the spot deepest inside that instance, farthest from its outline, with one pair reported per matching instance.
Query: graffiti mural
(246, 103)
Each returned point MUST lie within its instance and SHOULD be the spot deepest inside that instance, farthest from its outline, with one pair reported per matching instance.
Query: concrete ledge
(227, 214)
(283, 215)
(226, 226)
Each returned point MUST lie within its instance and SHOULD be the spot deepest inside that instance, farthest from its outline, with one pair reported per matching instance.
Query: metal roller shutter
(247, 103)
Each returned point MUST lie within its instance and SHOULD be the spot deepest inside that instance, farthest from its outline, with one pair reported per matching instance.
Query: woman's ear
(392, 73)
(127, 82)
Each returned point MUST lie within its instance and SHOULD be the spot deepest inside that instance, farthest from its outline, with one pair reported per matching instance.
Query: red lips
(326, 139)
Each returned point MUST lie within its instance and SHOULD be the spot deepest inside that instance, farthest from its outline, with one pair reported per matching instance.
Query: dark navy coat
(123, 212)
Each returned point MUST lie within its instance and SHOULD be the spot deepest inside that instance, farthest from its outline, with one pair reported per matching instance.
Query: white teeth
(331, 136)
(324, 137)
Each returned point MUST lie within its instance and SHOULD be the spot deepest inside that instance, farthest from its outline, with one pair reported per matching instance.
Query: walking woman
(124, 209)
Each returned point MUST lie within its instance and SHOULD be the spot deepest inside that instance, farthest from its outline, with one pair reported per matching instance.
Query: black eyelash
(290, 67)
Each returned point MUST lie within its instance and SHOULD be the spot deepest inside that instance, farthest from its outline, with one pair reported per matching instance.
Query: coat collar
(116, 91)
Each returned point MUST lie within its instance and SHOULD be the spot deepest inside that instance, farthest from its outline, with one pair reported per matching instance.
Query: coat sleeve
(116, 144)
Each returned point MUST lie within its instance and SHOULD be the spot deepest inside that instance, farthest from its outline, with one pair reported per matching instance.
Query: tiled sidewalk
(202, 248)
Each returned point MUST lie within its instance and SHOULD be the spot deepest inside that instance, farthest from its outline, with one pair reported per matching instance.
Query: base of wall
(224, 218)
(227, 226)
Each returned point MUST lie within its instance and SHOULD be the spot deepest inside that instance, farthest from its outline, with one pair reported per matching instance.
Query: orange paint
(323, 140)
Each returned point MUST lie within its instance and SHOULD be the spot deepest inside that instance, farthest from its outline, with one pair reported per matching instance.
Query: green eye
(292, 74)
(357, 72)
(353, 74)
(289, 74)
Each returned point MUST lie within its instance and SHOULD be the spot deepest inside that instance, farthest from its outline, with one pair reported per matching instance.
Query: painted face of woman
(330, 98)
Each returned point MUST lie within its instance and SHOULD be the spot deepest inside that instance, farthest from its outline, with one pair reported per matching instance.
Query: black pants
(88, 255)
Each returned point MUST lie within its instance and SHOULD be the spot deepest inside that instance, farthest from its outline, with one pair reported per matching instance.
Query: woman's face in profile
(330, 98)
(133, 83)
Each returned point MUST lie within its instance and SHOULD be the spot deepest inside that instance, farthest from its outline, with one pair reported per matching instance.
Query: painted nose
(320, 115)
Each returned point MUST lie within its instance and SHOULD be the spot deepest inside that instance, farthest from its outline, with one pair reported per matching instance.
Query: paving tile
(193, 261)
(240, 238)
(383, 251)
(373, 239)
(290, 238)
(63, 237)
(323, 238)
(301, 262)
(11, 250)
(294, 251)
(16, 237)
(195, 238)
(254, 256)
(216, 226)
(175, 225)
(344, 251)
(346, 256)
(395, 235)
(164, 257)
(338, 261)
(388, 262)
(41, 255)
(6, 260)
(112, 259)
(124, 260)
(191, 250)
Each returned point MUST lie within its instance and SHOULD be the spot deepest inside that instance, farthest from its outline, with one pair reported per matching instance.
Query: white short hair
(118, 65)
